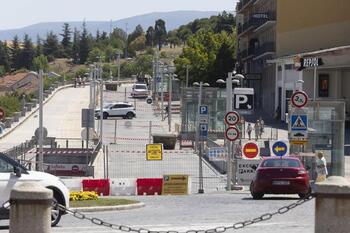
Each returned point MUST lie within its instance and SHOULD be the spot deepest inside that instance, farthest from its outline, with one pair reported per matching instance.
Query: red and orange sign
(250, 150)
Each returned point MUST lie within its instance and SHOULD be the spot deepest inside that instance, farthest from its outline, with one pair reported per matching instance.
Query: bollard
(31, 209)
(332, 211)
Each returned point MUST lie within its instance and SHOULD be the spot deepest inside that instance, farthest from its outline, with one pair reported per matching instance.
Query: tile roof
(9, 80)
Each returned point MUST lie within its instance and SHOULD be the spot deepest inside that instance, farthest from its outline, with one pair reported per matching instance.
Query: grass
(102, 202)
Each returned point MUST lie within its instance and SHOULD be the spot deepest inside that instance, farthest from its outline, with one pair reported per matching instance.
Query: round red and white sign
(299, 99)
(232, 133)
(232, 118)
(250, 150)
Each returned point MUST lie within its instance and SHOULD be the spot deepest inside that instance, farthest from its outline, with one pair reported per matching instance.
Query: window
(143, 87)
(281, 163)
(323, 85)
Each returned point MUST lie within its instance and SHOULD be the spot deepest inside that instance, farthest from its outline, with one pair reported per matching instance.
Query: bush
(82, 196)
(10, 104)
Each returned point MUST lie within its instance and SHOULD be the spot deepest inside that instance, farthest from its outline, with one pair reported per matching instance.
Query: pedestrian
(257, 129)
(75, 82)
(321, 167)
(262, 126)
(249, 131)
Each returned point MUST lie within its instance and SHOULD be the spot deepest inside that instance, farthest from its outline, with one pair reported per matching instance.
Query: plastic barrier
(73, 184)
(149, 186)
(100, 186)
(123, 187)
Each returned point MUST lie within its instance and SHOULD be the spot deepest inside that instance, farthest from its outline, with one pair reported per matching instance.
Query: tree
(39, 46)
(135, 34)
(15, 53)
(84, 47)
(150, 36)
(160, 33)
(66, 40)
(27, 53)
(94, 55)
(40, 63)
(51, 47)
(76, 46)
(4, 58)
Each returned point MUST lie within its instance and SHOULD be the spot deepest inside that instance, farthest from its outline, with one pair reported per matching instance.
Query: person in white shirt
(321, 167)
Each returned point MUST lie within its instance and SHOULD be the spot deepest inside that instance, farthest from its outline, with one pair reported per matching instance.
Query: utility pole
(198, 143)
(118, 66)
(170, 80)
(228, 142)
(162, 92)
(41, 128)
(101, 103)
(187, 73)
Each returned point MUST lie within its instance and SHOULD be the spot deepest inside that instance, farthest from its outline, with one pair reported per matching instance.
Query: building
(274, 36)
(22, 82)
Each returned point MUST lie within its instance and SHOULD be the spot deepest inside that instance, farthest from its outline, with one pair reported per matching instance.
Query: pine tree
(76, 46)
(27, 53)
(66, 40)
(39, 46)
(14, 53)
(51, 46)
(160, 33)
(4, 57)
(84, 47)
(150, 36)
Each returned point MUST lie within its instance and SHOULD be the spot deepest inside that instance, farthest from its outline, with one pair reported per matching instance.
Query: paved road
(62, 118)
(181, 213)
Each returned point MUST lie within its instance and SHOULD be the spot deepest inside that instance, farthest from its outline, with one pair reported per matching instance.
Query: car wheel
(105, 115)
(255, 195)
(55, 212)
(129, 115)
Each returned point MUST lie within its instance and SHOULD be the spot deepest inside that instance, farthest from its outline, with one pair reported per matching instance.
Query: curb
(109, 208)
(34, 111)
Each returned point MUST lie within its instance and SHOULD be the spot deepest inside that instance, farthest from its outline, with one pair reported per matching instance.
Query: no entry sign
(250, 150)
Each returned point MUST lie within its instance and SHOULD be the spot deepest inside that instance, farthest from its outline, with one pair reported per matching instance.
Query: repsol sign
(308, 62)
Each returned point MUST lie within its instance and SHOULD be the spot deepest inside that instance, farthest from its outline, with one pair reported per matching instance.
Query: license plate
(280, 182)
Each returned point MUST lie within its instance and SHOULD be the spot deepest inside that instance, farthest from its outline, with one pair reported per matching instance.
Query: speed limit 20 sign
(232, 118)
(299, 99)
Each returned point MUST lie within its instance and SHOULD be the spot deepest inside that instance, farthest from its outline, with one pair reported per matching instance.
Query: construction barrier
(123, 187)
(100, 186)
(149, 186)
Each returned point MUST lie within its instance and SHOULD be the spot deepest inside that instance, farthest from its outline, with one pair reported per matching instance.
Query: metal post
(150, 133)
(91, 88)
(200, 185)
(118, 65)
(107, 163)
(197, 117)
(187, 73)
(101, 105)
(229, 143)
(115, 131)
(162, 94)
(125, 94)
(315, 81)
(41, 128)
(170, 99)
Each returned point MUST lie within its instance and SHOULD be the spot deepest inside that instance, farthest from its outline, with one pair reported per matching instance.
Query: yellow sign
(154, 151)
(175, 185)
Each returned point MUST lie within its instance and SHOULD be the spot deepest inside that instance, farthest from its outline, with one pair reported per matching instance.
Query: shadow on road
(271, 198)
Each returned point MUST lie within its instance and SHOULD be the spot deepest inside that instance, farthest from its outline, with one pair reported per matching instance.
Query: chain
(236, 226)
(7, 204)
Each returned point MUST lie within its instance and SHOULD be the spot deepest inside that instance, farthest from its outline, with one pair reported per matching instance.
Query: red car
(276, 175)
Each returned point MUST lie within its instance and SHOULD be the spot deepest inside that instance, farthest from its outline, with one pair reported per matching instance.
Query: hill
(173, 20)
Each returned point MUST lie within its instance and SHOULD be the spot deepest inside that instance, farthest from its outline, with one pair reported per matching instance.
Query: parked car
(117, 109)
(139, 90)
(12, 173)
(276, 175)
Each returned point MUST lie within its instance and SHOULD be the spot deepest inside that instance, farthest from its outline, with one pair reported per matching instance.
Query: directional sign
(232, 133)
(279, 148)
(203, 131)
(149, 100)
(2, 114)
(250, 150)
(232, 118)
(299, 99)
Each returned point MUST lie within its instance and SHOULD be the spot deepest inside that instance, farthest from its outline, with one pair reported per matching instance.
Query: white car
(117, 109)
(12, 173)
(139, 90)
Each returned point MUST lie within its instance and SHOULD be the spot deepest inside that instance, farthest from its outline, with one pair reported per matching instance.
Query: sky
(22, 13)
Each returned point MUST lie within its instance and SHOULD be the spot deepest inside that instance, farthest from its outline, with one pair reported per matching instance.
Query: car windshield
(143, 87)
(280, 163)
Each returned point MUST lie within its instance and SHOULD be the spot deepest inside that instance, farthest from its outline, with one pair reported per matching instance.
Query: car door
(114, 110)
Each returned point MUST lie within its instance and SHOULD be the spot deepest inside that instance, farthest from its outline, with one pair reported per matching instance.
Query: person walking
(257, 129)
(321, 167)
(262, 126)
(249, 131)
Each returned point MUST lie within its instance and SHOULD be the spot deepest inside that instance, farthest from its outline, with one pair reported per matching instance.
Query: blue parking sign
(203, 110)
(203, 131)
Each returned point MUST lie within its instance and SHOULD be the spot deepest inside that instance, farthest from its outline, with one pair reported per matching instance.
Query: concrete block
(8, 122)
(16, 116)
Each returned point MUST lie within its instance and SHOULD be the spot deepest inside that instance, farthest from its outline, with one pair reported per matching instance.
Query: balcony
(246, 54)
(243, 4)
(264, 49)
(256, 22)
